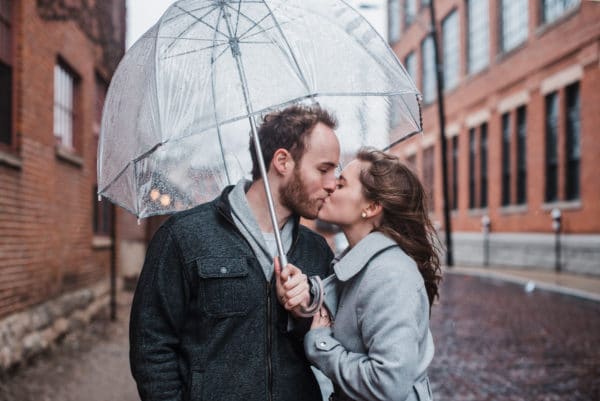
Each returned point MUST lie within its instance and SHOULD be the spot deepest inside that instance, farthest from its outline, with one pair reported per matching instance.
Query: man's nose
(329, 184)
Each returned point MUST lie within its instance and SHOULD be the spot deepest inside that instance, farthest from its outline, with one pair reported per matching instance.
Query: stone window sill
(101, 242)
(68, 155)
(10, 160)
(562, 205)
(513, 209)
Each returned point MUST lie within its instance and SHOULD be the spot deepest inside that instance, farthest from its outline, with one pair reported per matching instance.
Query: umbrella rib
(193, 39)
(301, 75)
(194, 51)
(257, 22)
(295, 100)
(237, 18)
(214, 93)
(185, 13)
(198, 19)
(267, 29)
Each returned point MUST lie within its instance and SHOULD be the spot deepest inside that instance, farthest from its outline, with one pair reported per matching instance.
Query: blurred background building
(521, 91)
(56, 60)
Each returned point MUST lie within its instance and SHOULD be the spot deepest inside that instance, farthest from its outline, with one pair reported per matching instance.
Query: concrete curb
(537, 284)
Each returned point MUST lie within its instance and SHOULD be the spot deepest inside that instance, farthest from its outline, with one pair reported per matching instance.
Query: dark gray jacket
(206, 325)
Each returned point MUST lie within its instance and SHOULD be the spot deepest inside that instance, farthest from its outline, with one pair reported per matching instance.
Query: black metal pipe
(113, 263)
(442, 123)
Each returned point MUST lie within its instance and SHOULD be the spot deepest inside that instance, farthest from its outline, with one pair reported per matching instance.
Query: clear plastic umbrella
(187, 96)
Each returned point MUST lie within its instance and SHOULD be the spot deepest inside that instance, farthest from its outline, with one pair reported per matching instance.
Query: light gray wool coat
(380, 344)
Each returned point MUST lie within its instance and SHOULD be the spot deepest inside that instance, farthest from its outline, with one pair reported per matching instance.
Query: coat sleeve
(157, 317)
(388, 324)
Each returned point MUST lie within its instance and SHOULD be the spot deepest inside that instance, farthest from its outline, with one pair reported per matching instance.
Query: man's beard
(295, 197)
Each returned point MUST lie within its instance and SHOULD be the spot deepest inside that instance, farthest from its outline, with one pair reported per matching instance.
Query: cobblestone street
(494, 341)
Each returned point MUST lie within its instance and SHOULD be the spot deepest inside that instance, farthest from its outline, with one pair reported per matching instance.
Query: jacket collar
(223, 206)
(353, 260)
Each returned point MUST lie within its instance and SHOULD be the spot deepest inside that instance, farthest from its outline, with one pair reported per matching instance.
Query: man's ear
(282, 162)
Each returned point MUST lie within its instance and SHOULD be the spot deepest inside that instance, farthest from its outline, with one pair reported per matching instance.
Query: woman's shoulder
(394, 267)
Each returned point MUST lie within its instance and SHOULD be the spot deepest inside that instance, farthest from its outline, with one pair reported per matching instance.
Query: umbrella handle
(317, 285)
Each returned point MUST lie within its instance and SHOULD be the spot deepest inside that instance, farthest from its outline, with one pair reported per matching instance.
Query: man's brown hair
(288, 129)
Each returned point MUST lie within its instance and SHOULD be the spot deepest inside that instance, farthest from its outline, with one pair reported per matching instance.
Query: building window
(428, 172)
(515, 23)
(454, 159)
(410, 11)
(573, 142)
(410, 62)
(472, 152)
(5, 72)
(451, 49)
(478, 38)
(505, 159)
(521, 155)
(551, 147)
(394, 21)
(483, 162)
(428, 70)
(65, 86)
(103, 210)
(554, 9)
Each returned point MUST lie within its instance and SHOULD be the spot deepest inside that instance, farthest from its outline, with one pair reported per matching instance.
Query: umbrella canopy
(185, 98)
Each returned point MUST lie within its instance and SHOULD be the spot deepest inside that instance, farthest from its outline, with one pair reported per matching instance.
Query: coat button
(223, 270)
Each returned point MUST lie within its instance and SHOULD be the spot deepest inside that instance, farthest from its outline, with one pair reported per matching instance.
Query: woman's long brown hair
(405, 212)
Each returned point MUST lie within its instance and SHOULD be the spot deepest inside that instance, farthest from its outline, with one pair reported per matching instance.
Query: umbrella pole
(235, 50)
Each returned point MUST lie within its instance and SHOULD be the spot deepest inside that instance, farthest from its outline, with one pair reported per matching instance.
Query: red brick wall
(46, 203)
(572, 41)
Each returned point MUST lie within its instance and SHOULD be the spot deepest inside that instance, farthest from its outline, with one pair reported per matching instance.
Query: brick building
(521, 92)
(56, 59)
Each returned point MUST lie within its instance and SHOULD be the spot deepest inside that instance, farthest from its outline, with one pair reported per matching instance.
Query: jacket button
(223, 270)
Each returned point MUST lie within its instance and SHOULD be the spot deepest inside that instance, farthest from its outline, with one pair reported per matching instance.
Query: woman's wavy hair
(405, 213)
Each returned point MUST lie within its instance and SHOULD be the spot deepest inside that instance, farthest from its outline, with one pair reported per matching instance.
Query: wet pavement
(494, 341)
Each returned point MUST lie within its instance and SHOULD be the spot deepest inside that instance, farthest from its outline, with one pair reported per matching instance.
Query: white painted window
(478, 40)
(554, 9)
(451, 49)
(64, 90)
(428, 70)
(515, 23)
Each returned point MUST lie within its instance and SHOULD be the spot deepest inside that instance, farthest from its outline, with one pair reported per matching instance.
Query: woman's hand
(321, 319)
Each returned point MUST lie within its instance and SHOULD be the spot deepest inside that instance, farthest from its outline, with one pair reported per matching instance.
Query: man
(207, 321)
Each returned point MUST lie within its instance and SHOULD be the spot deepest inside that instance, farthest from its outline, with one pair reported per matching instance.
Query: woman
(383, 287)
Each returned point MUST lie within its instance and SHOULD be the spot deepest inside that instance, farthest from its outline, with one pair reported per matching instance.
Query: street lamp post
(485, 227)
(556, 226)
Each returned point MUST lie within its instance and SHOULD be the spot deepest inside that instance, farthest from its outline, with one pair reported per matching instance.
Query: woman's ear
(282, 162)
(374, 209)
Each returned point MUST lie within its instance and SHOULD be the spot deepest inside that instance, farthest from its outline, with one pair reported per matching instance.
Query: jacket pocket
(224, 286)
(423, 390)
